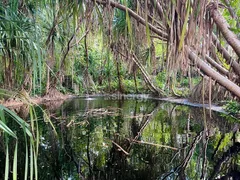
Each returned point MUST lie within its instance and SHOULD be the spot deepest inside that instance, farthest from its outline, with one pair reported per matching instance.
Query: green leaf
(31, 162)
(6, 163)
(15, 162)
(19, 120)
(6, 129)
(235, 30)
(130, 32)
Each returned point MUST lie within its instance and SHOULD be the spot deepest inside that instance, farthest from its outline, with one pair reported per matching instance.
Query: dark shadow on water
(106, 139)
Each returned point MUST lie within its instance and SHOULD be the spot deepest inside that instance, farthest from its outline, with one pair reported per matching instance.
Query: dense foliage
(91, 47)
(168, 48)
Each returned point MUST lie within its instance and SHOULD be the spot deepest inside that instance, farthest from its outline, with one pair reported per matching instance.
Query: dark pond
(106, 139)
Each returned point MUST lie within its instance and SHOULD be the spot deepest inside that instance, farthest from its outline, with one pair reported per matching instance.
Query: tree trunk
(8, 70)
(50, 63)
(145, 74)
(229, 85)
(159, 8)
(48, 80)
(147, 77)
(223, 26)
(226, 55)
(5, 71)
(153, 59)
(217, 66)
(120, 84)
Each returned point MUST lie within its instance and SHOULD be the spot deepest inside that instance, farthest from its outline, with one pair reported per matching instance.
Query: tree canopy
(106, 46)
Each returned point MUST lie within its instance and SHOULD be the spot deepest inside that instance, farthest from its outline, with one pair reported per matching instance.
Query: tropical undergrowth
(10, 137)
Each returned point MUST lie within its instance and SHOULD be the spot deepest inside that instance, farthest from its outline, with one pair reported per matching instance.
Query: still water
(138, 139)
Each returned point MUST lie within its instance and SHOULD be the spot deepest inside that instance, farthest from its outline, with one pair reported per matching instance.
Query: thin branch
(158, 37)
(135, 16)
(125, 152)
(69, 46)
(232, 12)
(81, 38)
(153, 144)
(159, 8)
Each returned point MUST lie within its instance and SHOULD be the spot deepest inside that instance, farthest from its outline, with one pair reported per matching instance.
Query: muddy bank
(16, 102)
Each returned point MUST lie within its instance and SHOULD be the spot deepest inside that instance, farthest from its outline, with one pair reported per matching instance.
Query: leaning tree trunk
(223, 26)
(220, 69)
(229, 85)
(145, 74)
(147, 77)
(235, 65)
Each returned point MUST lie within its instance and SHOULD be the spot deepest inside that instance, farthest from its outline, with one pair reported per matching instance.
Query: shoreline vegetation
(178, 60)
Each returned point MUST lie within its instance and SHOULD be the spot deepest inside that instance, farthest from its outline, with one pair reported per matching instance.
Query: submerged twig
(101, 111)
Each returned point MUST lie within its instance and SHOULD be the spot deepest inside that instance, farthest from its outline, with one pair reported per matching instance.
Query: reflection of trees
(86, 151)
(226, 157)
(215, 121)
(226, 164)
(122, 146)
(137, 130)
(59, 159)
(53, 105)
(197, 149)
(180, 169)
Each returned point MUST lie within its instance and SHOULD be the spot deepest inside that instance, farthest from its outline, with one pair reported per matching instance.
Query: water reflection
(105, 139)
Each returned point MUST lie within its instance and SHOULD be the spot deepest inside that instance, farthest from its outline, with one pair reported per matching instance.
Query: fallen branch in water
(125, 152)
(159, 145)
(101, 111)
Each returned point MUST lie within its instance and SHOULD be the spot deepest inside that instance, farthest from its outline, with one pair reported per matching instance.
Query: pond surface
(106, 139)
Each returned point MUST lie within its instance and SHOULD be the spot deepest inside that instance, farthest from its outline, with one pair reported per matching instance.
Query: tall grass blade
(6, 163)
(6, 129)
(19, 120)
(31, 119)
(35, 165)
(15, 162)
(3, 126)
(26, 157)
(31, 160)
(47, 119)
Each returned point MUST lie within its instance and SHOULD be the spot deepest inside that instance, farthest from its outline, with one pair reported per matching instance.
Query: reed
(31, 136)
